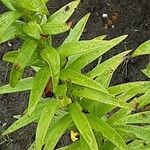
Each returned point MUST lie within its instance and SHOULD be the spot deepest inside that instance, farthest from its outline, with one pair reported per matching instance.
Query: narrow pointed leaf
(147, 70)
(33, 5)
(25, 119)
(83, 125)
(98, 96)
(32, 29)
(62, 15)
(144, 99)
(143, 49)
(138, 118)
(53, 28)
(76, 32)
(14, 30)
(9, 4)
(44, 122)
(139, 132)
(6, 19)
(25, 54)
(88, 45)
(11, 56)
(55, 133)
(39, 84)
(77, 78)
(107, 131)
(110, 64)
(51, 56)
(121, 88)
(23, 85)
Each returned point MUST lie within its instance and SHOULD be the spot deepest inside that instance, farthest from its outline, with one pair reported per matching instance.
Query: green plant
(77, 101)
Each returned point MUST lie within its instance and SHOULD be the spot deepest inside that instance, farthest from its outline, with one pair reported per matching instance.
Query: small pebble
(9, 44)
(105, 16)
(113, 26)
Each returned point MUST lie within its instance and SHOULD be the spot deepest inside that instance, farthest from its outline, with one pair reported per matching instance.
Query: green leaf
(117, 115)
(25, 119)
(6, 19)
(73, 146)
(39, 84)
(139, 132)
(77, 78)
(33, 5)
(14, 30)
(138, 118)
(107, 131)
(11, 56)
(51, 56)
(83, 144)
(32, 29)
(143, 49)
(53, 28)
(23, 85)
(110, 65)
(44, 122)
(147, 70)
(98, 96)
(9, 4)
(83, 125)
(73, 48)
(56, 131)
(76, 32)
(135, 145)
(62, 15)
(144, 99)
(24, 56)
(121, 88)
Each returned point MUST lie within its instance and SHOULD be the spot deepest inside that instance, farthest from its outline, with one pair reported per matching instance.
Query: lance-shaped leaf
(77, 78)
(143, 49)
(95, 95)
(144, 99)
(53, 28)
(110, 64)
(23, 85)
(33, 5)
(32, 29)
(83, 144)
(51, 56)
(147, 70)
(121, 88)
(137, 145)
(73, 58)
(117, 115)
(14, 30)
(138, 118)
(6, 19)
(76, 32)
(73, 48)
(39, 84)
(24, 56)
(139, 132)
(107, 131)
(62, 15)
(35, 60)
(9, 4)
(44, 122)
(11, 56)
(56, 131)
(83, 125)
(25, 119)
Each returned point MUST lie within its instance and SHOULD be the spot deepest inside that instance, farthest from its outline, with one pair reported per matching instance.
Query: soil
(129, 17)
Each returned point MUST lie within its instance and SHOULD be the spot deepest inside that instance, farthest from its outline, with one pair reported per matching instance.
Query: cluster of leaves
(62, 98)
